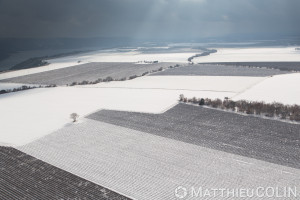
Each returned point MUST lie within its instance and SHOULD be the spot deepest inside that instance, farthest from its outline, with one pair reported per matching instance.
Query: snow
(281, 88)
(24, 72)
(137, 56)
(231, 84)
(112, 55)
(278, 54)
(101, 56)
(29, 115)
(145, 166)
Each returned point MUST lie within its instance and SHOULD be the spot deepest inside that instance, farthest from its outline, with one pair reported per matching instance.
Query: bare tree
(74, 117)
(181, 97)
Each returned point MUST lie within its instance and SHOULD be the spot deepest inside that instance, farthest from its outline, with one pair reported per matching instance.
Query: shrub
(74, 83)
(108, 79)
(99, 80)
(194, 100)
(24, 87)
(74, 117)
(295, 117)
(250, 110)
(181, 97)
(207, 102)
(241, 105)
(295, 113)
(229, 105)
(83, 83)
(258, 107)
(216, 103)
(202, 102)
(132, 77)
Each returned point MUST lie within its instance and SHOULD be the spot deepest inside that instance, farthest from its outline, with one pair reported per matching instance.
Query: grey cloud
(147, 18)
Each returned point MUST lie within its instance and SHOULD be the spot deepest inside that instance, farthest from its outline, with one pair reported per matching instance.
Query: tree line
(25, 87)
(275, 110)
(206, 53)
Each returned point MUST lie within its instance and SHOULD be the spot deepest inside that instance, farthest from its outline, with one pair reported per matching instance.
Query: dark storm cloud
(148, 18)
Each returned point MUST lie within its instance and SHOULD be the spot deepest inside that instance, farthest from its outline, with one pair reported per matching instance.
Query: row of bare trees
(206, 53)
(278, 110)
(99, 80)
(24, 87)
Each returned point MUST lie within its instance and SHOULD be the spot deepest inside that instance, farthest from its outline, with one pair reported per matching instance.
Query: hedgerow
(276, 110)
(24, 87)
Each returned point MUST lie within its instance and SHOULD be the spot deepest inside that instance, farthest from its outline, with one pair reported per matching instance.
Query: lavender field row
(145, 166)
(25, 177)
(88, 72)
(219, 70)
(284, 66)
(263, 139)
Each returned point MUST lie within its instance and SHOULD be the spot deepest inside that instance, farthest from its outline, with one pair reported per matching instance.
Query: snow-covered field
(251, 55)
(102, 56)
(136, 57)
(29, 115)
(232, 84)
(145, 166)
(51, 66)
(280, 88)
(223, 55)
(135, 163)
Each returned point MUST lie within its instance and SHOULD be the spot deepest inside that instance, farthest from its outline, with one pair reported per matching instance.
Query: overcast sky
(173, 19)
